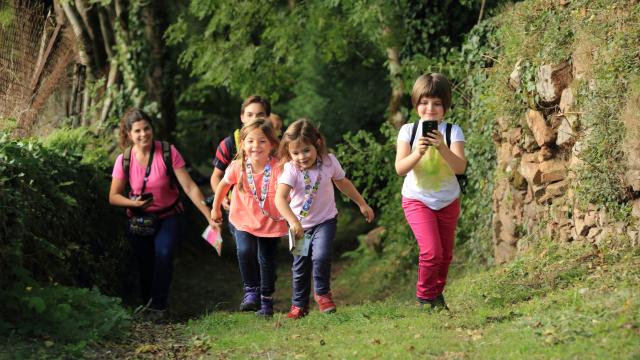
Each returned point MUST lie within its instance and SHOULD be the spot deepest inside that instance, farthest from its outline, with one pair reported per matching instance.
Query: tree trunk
(85, 51)
(109, 93)
(394, 113)
(107, 31)
(160, 72)
(122, 14)
(89, 17)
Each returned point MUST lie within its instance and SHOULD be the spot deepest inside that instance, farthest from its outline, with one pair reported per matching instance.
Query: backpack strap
(168, 163)
(414, 130)
(236, 139)
(126, 161)
(448, 134)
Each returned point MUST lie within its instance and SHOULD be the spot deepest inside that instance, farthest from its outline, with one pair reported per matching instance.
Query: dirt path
(202, 283)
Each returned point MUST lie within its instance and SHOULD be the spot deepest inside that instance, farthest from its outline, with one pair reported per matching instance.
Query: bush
(63, 314)
(63, 229)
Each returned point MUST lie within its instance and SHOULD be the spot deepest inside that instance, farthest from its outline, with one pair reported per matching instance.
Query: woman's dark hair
(126, 123)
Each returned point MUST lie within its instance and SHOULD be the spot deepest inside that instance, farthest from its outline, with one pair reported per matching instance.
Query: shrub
(55, 222)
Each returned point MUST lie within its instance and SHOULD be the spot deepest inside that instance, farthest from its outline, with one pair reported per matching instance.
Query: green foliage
(72, 317)
(370, 164)
(311, 59)
(6, 16)
(64, 229)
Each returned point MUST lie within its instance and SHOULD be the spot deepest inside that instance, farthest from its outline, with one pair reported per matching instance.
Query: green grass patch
(553, 302)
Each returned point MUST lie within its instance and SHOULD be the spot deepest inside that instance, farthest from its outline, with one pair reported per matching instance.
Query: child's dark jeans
(260, 273)
(318, 264)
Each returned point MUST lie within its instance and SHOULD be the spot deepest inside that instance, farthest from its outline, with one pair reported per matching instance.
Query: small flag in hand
(213, 237)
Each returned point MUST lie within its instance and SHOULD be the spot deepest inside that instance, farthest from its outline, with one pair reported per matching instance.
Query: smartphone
(147, 197)
(429, 126)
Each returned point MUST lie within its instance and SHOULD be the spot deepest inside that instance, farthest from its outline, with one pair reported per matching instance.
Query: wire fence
(35, 54)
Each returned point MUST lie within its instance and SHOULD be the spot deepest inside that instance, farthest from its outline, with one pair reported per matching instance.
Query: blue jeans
(318, 262)
(154, 255)
(257, 260)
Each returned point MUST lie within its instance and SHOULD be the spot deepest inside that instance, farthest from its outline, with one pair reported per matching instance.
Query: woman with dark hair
(151, 170)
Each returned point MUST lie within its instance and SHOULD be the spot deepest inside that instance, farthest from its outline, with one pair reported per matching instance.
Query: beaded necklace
(266, 175)
(309, 191)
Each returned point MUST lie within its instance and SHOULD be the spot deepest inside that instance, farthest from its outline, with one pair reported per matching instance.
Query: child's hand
(435, 138)
(297, 229)
(216, 216)
(423, 144)
(367, 212)
(225, 203)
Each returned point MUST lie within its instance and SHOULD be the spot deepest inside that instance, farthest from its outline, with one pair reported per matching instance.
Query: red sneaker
(297, 312)
(325, 302)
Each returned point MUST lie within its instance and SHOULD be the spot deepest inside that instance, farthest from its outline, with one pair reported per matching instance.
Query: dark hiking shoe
(155, 316)
(266, 307)
(251, 299)
(437, 303)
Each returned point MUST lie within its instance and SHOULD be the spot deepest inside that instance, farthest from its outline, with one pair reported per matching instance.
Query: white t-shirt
(431, 181)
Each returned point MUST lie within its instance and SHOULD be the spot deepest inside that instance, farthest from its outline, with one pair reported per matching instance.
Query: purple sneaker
(266, 307)
(251, 299)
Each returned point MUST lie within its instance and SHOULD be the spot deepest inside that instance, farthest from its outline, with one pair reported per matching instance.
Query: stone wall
(537, 160)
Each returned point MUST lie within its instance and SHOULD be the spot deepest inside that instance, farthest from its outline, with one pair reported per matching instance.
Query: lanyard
(148, 171)
(263, 189)
(309, 191)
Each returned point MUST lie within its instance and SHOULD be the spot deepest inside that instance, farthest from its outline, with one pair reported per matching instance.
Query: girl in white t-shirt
(308, 178)
(430, 193)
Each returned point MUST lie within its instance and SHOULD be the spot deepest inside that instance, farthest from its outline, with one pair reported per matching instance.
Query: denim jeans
(257, 260)
(154, 255)
(318, 264)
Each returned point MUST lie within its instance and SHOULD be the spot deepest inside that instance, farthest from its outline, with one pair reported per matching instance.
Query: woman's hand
(141, 204)
(297, 229)
(367, 212)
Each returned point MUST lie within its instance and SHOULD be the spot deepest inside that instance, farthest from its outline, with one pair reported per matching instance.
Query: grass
(554, 302)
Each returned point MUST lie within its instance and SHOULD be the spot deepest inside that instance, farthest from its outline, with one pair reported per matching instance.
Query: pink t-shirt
(158, 183)
(245, 213)
(323, 207)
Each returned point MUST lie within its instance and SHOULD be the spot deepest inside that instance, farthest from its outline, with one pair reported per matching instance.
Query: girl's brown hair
(126, 123)
(432, 85)
(302, 130)
(266, 127)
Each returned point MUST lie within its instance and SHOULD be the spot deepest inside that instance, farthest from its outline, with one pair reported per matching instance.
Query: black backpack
(462, 178)
(166, 157)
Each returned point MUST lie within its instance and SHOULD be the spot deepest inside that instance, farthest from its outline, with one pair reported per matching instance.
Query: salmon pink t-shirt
(164, 196)
(245, 213)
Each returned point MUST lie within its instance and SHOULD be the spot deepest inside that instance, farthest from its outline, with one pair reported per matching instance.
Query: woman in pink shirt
(152, 190)
(257, 223)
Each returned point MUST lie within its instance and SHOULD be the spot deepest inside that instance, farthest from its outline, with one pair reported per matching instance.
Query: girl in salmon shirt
(253, 213)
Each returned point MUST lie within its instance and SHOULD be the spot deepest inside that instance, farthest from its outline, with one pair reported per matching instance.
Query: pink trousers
(435, 232)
